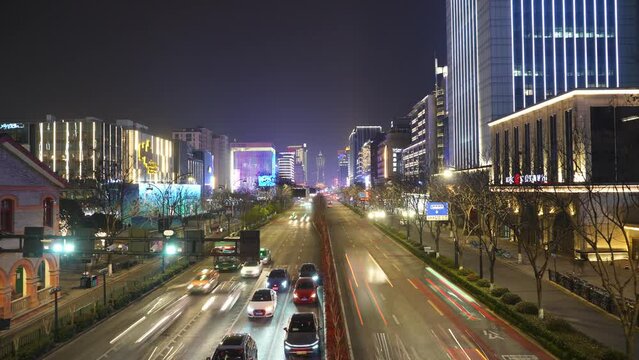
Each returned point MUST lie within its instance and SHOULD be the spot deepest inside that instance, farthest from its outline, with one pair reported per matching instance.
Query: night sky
(287, 72)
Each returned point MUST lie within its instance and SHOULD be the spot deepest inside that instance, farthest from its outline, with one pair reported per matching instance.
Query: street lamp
(102, 236)
(104, 273)
(56, 325)
(165, 249)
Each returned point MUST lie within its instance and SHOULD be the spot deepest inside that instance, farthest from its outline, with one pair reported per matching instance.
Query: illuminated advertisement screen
(252, 166)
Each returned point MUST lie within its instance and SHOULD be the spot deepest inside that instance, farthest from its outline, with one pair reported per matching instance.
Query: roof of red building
(14, 147)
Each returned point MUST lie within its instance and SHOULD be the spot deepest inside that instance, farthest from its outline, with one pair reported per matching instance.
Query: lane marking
(460, 347)
(153, 353)
(435, 307)
(127, 330)
(382, 270)
(395, 319)
(377, 305)
(352, 272)
(412, 283)
(397, 267)
(359, 314)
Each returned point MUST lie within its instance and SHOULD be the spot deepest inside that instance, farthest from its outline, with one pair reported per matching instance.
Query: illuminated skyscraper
(356, 140)
(505, 55)
(301, 163)
(286, 165)
(252, 165)
(320, 163)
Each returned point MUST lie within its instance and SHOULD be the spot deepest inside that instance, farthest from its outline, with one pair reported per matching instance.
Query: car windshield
(302, 325)
(307, 269)
(252, 264)
(262, 295)
(228, 355)
(305, 285)
(277, 274)
(201, 277)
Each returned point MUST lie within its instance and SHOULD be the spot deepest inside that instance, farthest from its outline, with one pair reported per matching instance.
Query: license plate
(304, 299)
(302, 352)
(259, 313)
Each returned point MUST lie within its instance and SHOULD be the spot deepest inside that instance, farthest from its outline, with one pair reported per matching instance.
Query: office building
(359, 135)
(504, 56)
(301, 163)
(390, 149)
(146, 157)
(441, 109)
(342, 167)
(74, 149)
(199, 138)
(286, 166)
(579, 142)
(419, 157)
(208, 177)
(252, 165)
(221, 161)
(320, 163)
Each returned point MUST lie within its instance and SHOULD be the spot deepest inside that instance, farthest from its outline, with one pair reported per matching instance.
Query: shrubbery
(498, 292)
(510, 299)
(558, 325)
(465, 272)
(483, 283)
(526, 307)
(472, 277)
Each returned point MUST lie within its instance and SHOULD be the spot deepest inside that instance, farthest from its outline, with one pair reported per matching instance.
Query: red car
(305, 291)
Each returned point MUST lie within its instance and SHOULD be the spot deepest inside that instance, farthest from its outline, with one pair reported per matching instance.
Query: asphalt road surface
(397, 308)
(170, 324)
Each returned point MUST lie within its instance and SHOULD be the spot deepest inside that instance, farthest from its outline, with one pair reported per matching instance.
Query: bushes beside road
(553, 333)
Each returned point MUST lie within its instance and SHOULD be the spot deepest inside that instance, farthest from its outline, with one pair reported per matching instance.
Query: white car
(251, 269)
(262, 304)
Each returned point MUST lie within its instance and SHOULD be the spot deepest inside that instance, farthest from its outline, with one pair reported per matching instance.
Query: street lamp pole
(104, 274)
(56, 326)
(167, 234)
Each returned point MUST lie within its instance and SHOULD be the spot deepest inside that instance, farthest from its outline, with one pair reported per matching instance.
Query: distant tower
(320, 161)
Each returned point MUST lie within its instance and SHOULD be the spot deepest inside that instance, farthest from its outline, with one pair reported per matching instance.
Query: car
(262, 304)
(251, 269)
(235, 346)
(205, 281)
(306, 218)
(305, 291)
(309, 270)
(302, 335)
(227, 263)
(330, 204)
(293, 216)
(117, 247)
(278, 279)
(265, 256)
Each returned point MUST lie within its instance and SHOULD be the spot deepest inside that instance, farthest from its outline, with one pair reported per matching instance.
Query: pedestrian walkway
(72, 297)
(519, 278)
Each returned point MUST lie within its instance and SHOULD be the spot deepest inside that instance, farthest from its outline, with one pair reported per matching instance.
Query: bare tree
(416, 203)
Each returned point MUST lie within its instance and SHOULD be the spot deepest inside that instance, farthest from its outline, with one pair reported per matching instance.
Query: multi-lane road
(169, 324)
(397, 308)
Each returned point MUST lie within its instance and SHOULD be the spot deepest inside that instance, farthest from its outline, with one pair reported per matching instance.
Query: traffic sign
(437, 211)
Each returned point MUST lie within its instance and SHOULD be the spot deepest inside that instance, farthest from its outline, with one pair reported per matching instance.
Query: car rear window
(262, 295)
(228, 355)
(277, 274)
(307, 268)
(302, 325)
(305, 285)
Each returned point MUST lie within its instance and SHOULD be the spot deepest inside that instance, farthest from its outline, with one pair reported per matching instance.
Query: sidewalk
(72, 297)
(519, 278)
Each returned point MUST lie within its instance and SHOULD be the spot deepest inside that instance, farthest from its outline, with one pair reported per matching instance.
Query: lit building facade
(301, 163)
(221, 161)
(390, 149)
(146, 157)
(252, 165)
(356, 139)
(320, 163)
(419, 157)
(441, 108)
(506, 55)
(342, 167)
(74, 149)
(584, 137)
(286, 166)
(199, 138)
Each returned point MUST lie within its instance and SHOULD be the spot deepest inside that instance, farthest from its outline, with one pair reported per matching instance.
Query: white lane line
(127, 330)
(153, 353)
(382, 296)
(457, 341)
(397, 267)
(395, 319)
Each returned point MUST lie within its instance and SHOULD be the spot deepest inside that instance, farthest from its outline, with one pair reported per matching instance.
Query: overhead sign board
(437, 211)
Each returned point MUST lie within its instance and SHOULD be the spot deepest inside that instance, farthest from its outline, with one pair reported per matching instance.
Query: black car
(236, 346)
(302, 335)
(278, 279)
(310, 270)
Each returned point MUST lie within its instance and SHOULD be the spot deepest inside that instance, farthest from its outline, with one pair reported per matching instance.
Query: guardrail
(19, 305)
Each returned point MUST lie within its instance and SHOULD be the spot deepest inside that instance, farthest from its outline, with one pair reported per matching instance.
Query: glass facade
(249, 162)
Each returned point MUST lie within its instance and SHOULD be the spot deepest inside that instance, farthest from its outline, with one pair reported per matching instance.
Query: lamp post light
(168, 233)
(56, 325)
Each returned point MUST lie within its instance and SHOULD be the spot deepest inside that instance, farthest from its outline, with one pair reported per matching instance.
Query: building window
(47, 205)
(496, 170)
(569, 168)
(506, 169)
(527, 165)
(516, 157)
(553, 148)
(539, 148)
(7, 212)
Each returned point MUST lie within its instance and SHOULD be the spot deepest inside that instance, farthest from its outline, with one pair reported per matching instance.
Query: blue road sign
(437, 211)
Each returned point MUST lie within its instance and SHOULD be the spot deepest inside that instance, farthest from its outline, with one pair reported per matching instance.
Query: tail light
(295, 295)
(313, 295)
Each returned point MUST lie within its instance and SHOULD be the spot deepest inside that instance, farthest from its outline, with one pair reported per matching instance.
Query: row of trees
(543, 220)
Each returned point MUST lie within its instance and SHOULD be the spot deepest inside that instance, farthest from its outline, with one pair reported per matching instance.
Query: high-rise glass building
(506, 55)
(320, 163)
(286, 166)
(342, 167)
(356, 140)
(301, 163)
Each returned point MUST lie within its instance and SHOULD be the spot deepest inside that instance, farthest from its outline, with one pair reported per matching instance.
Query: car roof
(276, 271)
(303, 316)
(305, 279)
(234, 339)
(308, 264)
(265, 290)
